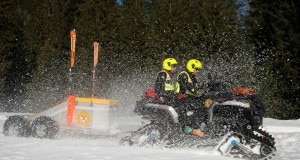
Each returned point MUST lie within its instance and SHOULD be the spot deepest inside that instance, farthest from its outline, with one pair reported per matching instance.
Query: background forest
(253, 43)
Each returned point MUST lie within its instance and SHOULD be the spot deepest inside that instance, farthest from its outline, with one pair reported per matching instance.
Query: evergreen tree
(5, 37)
(45, 35)
(216, 36)
(15, 62)
(132, 36)
(170, 23)
(274, 29)
(97, 20)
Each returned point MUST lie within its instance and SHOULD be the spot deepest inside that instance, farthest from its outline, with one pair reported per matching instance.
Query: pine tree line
(259, 50)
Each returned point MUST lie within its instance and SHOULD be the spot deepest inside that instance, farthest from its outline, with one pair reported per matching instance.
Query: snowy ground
(286, 133)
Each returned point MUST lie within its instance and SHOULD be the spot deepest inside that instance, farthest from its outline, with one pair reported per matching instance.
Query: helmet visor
(174, 66)
(197, 69)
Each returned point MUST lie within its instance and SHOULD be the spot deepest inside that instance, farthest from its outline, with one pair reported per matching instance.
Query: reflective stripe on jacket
(188, 92)
(169, 85)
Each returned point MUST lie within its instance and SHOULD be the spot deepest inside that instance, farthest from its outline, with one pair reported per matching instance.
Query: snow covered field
(286, 133)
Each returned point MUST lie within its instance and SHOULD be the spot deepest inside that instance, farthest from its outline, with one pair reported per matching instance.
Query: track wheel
(265, 150)
(254, 157)
(16, 126)
(44, 127)
(126, 141)
(147, 136)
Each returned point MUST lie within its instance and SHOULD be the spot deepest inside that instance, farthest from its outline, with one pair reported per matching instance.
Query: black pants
(169, 99)
(192, 104)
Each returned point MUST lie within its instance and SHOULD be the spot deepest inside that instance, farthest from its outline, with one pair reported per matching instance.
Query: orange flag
(96, 50)
(73, 44)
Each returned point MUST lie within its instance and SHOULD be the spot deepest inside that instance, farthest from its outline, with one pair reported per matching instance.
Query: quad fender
(156, 111)
(170, 110)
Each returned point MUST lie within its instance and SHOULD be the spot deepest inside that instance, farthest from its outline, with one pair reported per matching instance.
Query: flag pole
(96, 52)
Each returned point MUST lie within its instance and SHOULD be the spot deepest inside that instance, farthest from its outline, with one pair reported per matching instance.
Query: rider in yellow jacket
(187, 98)
(164, 85)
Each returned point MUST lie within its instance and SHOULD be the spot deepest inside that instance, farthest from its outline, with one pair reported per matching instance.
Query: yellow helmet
(168, 62)
(193, 64)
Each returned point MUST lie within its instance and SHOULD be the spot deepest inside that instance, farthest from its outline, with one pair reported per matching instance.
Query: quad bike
(232, 125)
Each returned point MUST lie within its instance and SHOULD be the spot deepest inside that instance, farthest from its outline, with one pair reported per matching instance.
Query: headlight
(207, 103)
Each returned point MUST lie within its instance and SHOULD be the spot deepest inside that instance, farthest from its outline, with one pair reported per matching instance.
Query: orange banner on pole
(96, 50)
(73, 46)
